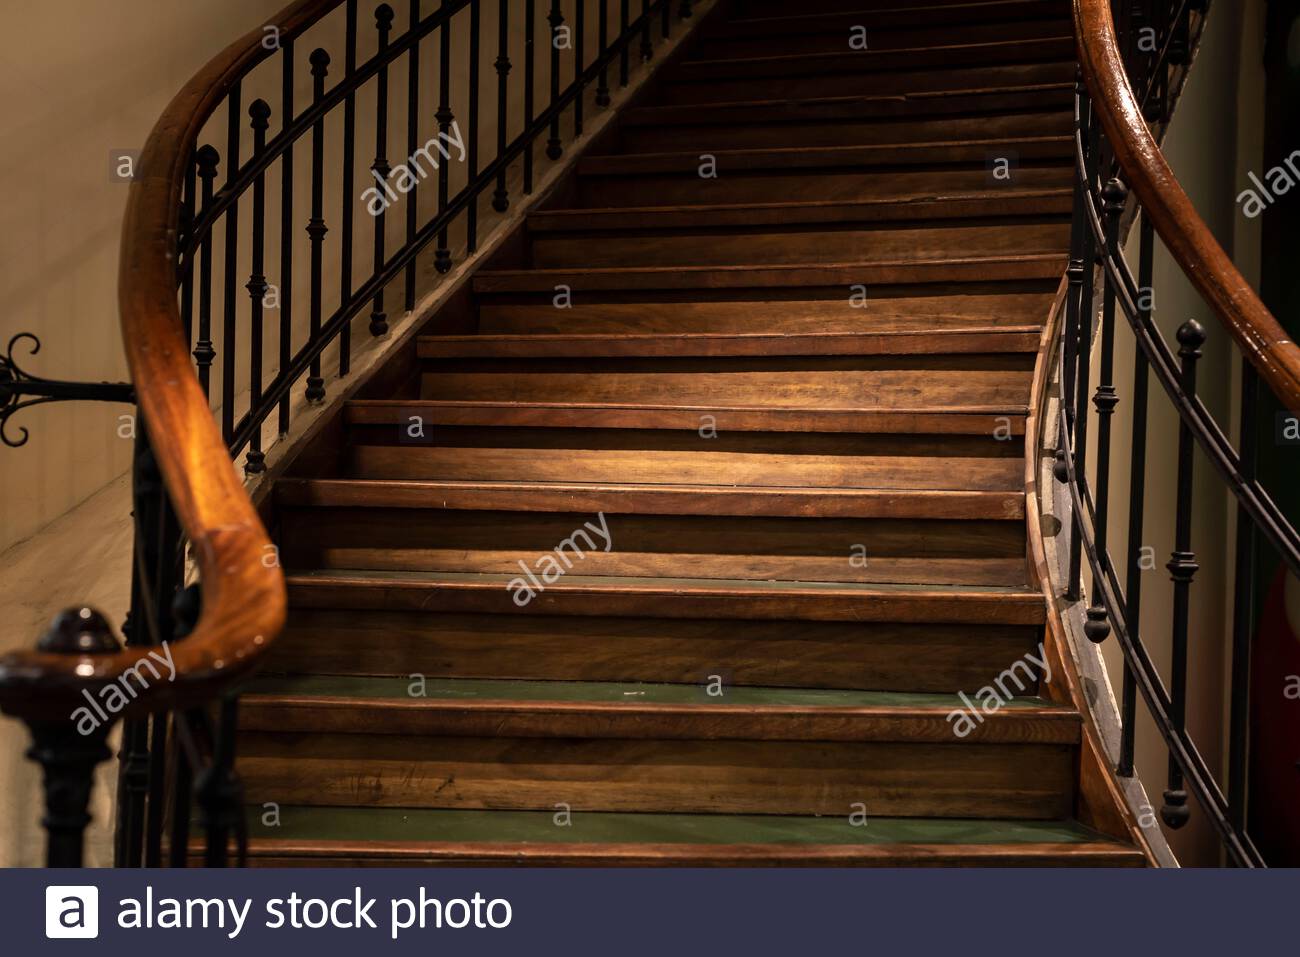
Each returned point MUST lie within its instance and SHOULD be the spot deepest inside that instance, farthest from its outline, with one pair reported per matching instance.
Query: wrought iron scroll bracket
(20, 389)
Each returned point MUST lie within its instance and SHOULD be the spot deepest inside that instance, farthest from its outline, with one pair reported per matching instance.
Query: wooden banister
(243, 591)
(1263, 341)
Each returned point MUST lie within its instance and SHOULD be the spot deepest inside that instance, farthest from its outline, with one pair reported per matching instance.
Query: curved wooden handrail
(1262, 340)
(244, 597)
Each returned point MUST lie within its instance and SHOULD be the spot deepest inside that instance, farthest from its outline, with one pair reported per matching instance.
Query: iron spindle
(624, 51)
(204, 353)
(445, 118)
(579, 62)
(1182, 569)
(349, 201)
(602, 85)
(501, 196)
(232, 268)
(1137, 497)
(380, 168)
(412, 144)
(1104, 400)
(260, 113)
(554, 149)
(530, 72)
(647, 49)
(286, 228)
(471, 211)
(1243, 619)
(684, 11)
(316, 230)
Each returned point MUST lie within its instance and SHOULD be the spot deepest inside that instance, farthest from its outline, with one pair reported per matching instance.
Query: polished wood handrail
(1144, 168)
(244, 598)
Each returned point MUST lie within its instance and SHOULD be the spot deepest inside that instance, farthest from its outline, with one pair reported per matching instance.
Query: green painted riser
(594, 827)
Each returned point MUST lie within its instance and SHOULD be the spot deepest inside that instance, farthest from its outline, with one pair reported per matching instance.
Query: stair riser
(875, 310)
(975, 383)
(824, 460)
(757, 12)
(702, 546)
(783, 654)
(901, 82)
(853, 132)
(741, 777)
(698, 248)
(749, 186)
(834, 37)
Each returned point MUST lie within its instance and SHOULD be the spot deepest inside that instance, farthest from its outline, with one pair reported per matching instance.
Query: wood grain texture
(1262, 340)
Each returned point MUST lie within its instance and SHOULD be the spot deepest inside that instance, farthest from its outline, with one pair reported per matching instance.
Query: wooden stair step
(682, 89)
(944, 270)
(750, 247)
(943, 14)
(997, 52)
(930, 342)
(872, 311)
(460, 743)
(667, 597)
(325, 837)
(562, 709)
(643, 499)
(956, 102)
(811, 36)
(988, 203)
(613, 415)
(540, 645)
(729, 161)
(974, 382)
(522, 541)
(743, 134)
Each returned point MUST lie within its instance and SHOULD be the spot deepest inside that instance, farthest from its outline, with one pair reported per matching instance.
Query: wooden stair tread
(921, 340)
(951, 269)
(957, 205)
(814, 157)
(669, 597)
(289, 703)
(954, 13)
(930, 420)
(415, 824)
(959, 101)
(652, 499)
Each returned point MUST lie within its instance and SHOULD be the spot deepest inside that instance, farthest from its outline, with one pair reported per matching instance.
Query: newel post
(68, 751)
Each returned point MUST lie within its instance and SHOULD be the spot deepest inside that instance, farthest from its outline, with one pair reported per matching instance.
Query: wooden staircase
(792, 396)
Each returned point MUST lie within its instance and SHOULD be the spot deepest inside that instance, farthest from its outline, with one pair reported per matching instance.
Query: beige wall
(87, 78)
(1215, 137)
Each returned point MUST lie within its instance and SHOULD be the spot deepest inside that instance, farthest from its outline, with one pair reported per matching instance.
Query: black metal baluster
(349, 201)
(647, 49)
(475, 42)
(316, 230)
(260, 113)
(445, 118)
(1097, 627)
(556, 19)
(684, 11)
(1243, 618)
(579, 62)
(1182, 569)
(530, 72)
(380, 168)
(412, 144)
(602, 85)
(624, 50)
(501, 196)
(208, 159)
(189, 213)
(1137, 499)
(666, 9)
(232, 267)
(286, 228)
(218, 789)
